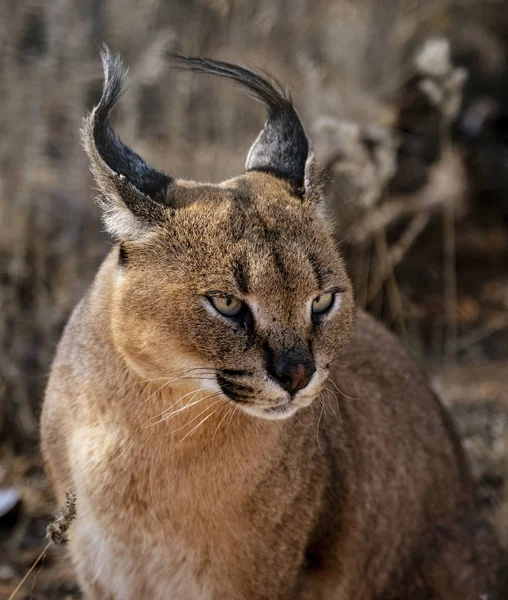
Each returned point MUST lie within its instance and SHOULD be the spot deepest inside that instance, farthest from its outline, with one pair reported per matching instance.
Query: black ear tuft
(117, 156)
(282, 148)
(134, 195)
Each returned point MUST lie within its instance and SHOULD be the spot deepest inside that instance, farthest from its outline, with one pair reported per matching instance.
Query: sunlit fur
(197, 476)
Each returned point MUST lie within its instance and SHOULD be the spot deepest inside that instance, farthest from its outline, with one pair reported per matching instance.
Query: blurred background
(407, 105)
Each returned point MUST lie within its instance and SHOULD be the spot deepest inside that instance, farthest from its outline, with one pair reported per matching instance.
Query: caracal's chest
(195, 524)
(159, 527)
(135, 565)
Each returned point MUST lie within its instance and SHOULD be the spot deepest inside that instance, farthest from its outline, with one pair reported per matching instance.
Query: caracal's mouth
(283, 410)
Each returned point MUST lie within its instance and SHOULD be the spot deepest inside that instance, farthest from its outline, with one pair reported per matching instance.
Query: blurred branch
(447, 184)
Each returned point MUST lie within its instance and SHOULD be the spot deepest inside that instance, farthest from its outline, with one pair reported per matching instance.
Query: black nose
(291, 370)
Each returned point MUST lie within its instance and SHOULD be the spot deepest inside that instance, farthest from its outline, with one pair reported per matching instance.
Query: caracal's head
(238, 285)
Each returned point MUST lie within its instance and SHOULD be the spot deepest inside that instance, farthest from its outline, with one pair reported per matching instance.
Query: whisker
(336, 408)
(171, 416)
(222, 420)
(317, 428)
(210, 370)
(164, 414)
(163, 386)
(181, 376)
(235, 408)
(341, 392)
(184, 408)
(236, 411)
(194, 392)
(323, 400)
(336, 404)
(173, 381)
(197, 426)
(199, 414)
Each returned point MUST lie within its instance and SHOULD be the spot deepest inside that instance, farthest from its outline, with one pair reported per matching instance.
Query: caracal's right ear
(135, 197)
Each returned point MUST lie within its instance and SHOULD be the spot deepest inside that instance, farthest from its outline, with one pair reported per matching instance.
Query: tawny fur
(361, 494)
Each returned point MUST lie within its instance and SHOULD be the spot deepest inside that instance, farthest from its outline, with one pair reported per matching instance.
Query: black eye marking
(248, 320)
(123, 257)
(233, 390)
(235, 372)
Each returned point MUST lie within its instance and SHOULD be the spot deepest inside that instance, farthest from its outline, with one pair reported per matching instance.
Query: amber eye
(322, 303)
(226, 305)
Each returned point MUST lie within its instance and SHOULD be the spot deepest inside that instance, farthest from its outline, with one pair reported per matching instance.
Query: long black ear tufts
(115, 154)
(282, 147)
(134, 196)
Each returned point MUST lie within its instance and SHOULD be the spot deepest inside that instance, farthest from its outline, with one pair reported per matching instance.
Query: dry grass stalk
(447, 184)
(394, 255)
(392, 288)
(57, 532)
(443, 84)
(27, 574)
(450, 280)
(473, 337)
(57, 529)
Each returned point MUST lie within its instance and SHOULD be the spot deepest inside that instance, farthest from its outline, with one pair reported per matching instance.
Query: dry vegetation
(416, 152)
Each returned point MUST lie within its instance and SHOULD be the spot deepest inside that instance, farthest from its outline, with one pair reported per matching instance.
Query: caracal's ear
(282, 148)
(134, 196)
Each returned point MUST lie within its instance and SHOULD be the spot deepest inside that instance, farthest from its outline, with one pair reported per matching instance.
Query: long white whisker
(165, 385)
(336, 404)
(190, 404)
(323, 399)
(164, 416)
(221, 421)
(210, 370)
(317, 428)
(341, 392)
(187, 406)
(166, 410)
(235, 408)
(199, 414)
(197, 426)
(181, 376)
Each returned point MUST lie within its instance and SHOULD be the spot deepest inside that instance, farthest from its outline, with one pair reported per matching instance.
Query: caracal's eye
(322, 303)
(226, 305)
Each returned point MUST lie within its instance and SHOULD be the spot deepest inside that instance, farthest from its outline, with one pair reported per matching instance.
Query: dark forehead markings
(241, 197)
(279, 262)
(240, 275)
(238, 216)
(240, 203)
(273, 237)
(316, 268)
(243, 210)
